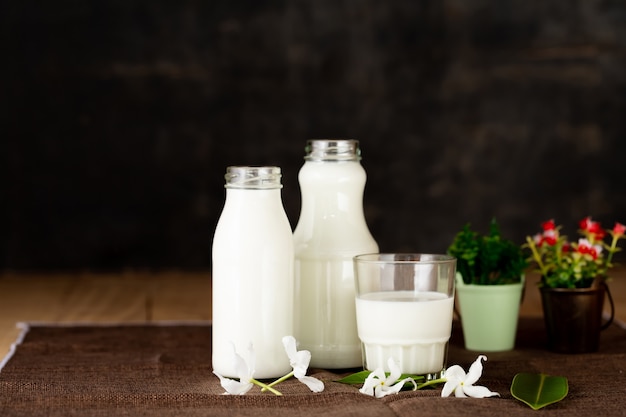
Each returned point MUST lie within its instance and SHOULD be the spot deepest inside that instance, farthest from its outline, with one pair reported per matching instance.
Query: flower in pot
(573, 281)
(489, 285)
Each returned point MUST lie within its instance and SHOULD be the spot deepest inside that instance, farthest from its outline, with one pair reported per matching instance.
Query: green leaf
(357, 378)
(539, 390)
(360, 377)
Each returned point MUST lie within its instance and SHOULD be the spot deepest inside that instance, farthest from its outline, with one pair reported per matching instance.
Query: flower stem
(431, 382)
(536, 256)
(265, 387)
(278, 381)
(612, 250)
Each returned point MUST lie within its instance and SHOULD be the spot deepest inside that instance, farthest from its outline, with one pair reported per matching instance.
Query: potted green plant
(573, 282)
(489, 286)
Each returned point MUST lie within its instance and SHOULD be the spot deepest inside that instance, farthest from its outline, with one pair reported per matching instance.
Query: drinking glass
(404, 308)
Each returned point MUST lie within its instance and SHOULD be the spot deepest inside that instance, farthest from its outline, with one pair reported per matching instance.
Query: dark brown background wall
(120, 116)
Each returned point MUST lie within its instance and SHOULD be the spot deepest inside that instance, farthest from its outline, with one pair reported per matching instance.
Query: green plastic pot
(489, 314)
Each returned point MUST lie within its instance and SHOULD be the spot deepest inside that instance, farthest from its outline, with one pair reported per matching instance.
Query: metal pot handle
(608, 293)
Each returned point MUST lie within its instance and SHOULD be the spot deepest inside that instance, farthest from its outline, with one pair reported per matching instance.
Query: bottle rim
(253, 177)
(332, 150)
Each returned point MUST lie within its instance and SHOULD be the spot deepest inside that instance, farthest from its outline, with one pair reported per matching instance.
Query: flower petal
(380, 391)
(300, 363)
(459, 392)
(395, 388)
(476, 391)
(299, 360)
(449, 387)
(394, 372)
(313, 383)
(475, 370)
(233, 387)
(368, 385)
(455, 372)
(289, 342)
(374, 379)
(243, 367)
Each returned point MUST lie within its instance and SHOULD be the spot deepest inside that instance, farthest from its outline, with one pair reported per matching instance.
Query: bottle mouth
(253, 177)
(332, 150)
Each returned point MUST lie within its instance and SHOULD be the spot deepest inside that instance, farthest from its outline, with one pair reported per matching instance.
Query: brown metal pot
(573, 317)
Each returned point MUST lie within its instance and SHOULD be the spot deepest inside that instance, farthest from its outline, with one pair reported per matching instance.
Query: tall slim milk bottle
(252, 273)
(331, 230)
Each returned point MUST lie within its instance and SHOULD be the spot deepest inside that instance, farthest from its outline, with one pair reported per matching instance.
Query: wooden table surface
(144, 297)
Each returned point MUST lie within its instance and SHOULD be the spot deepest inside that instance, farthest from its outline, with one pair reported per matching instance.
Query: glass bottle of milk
(330, 232)
(252, 273)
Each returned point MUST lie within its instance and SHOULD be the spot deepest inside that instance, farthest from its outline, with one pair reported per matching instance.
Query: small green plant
(487, 259)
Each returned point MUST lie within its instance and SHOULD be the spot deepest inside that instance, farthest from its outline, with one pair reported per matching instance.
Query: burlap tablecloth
(165, 370)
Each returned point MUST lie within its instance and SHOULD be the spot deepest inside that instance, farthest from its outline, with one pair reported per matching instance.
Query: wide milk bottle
(252, 274)
(331, 230)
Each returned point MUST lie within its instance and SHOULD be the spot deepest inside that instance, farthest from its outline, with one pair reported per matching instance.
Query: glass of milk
(404, 307)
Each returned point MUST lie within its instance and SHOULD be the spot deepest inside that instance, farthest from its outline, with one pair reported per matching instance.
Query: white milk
(330, 232)
(252, 282)
(326, 318)
(413, 331)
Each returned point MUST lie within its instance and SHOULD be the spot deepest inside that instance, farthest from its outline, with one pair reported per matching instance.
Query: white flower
(299, 360)
(245, 372)
(377, 384)
(462, 384)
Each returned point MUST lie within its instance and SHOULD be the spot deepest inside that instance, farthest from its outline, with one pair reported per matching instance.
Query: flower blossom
(619, 229)
(462, 384)
(548, 225)
(549, 235)
(378, 384)
(592, 227)
(299, 360)
(245, 372)
(585, 247)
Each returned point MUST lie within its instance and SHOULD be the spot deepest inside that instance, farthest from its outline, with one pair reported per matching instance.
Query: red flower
(585, 247)
(550, 236)
(550, 240)
(593, 228)
(584, 223)
(564, 264)
(548, 225)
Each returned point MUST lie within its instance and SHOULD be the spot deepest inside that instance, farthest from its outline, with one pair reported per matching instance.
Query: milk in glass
(412, 328)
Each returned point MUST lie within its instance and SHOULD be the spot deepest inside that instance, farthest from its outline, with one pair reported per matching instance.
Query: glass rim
(404, 258)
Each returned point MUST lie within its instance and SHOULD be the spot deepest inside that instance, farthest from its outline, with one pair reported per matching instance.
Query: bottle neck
(252, 204)
(332, 221)
(251, 198)
(332, 188)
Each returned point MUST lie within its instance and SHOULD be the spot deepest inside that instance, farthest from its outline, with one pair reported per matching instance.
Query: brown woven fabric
(166, 371)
